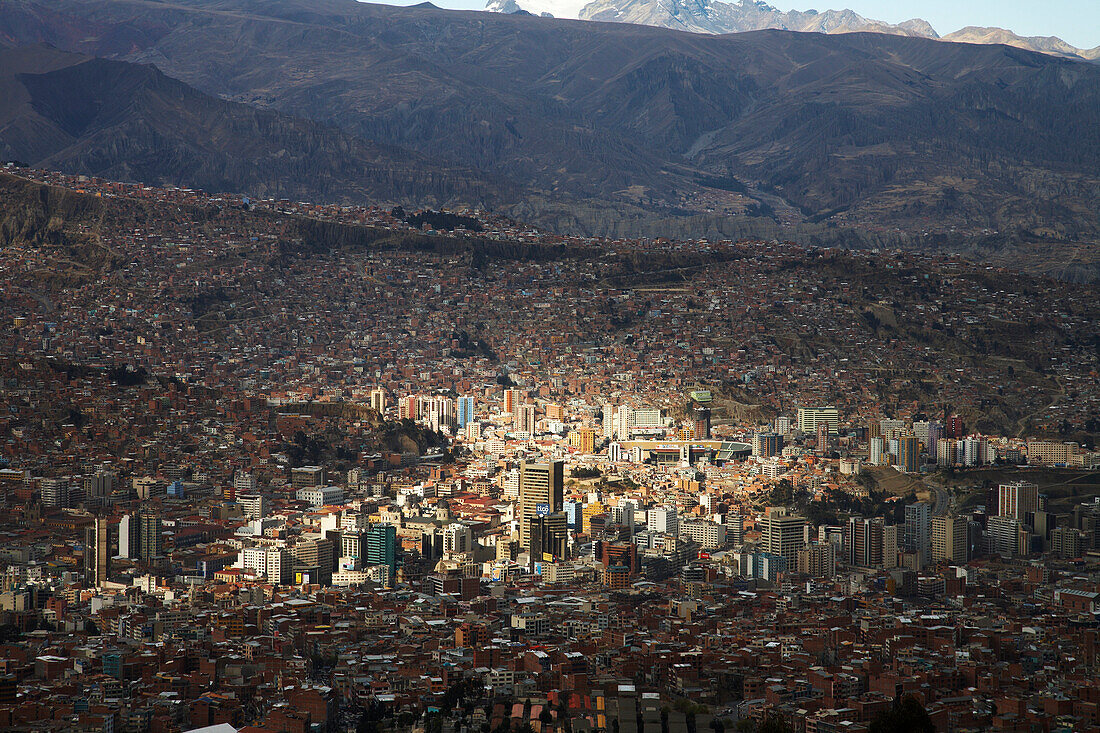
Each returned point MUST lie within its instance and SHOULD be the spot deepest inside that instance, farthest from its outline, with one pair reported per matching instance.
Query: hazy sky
(1075, 21)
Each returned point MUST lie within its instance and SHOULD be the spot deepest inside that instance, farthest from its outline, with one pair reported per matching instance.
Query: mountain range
(715, 16)
(857, 139)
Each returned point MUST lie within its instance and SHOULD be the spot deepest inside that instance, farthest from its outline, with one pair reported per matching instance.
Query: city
(277, 466)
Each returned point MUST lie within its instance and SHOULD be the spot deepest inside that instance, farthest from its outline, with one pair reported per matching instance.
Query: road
(942, 502)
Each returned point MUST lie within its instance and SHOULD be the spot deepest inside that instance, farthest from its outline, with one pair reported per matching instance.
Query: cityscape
(549, 366)
(277, 466)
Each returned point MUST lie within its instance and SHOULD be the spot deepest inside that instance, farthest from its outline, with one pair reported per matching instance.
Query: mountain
(1044, 44)
(128, 121)
(715, 16)
(857, 139)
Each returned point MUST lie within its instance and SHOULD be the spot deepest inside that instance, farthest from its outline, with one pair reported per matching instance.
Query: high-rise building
(823, 432)
(465, 410)
(735, 528)
(549, 537)
(512, 400)
(253, 506)
(949, 539)
(783, 533)
(100, 484)
(918, 530)
(909, 454)
(151, 540)
(765, 445)
(782, 425)
(892, 538)
(541, 490)
(97, 557)
(663, 520)
(877, 455)
(1018, 500)
(307, 477)
(381, 541)
(810, 417)
(129, 536)
(378, 400)
(1007, 536)
(954, 428)
(624, 422)
(701, 423)
(525, 419)
(54, 492)
(584, 440)
(458, 538)
(614, 452)
(818, 560)
(946, 452)
(863, 542)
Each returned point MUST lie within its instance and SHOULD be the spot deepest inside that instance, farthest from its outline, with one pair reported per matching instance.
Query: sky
(1074, 21)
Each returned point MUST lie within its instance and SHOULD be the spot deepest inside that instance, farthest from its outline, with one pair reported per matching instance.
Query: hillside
(856, 139)
(129, 121)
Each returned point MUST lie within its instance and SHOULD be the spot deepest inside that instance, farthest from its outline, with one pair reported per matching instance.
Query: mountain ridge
(718, 17)
(855, 139)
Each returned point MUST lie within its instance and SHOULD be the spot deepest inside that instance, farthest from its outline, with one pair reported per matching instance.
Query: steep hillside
(861, 138)
(130, 122)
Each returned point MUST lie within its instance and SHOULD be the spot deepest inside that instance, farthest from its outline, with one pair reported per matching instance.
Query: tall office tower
(949, 539)
(945, 452)
(381, 541)
(1007, 536)
(465, 410)
(54, 492)
(525, 419)
(892, 537)
(458, 539)
(918, 530)
(783, 533)
(574, 514)
(765, 445)
(253, 506)
(1018, 500)
(614, 452)
(874, 429)
(782, 425)
(863, 542)
(549, 537)
(877, 455)
(100, 484)
(822, 437)
(541, 490)
(701, 423)
(954, 427)
(129, 536)
(97, 557)
(735, 529)
(624, 422)
(935, 432)
(584, 440)
(608, 421)
(810, 417)
(244, 483)
(151, 541)
(378, 401)
(408, 408)
(920, 432)
(909, 454)
(664, 520)
(512, 400)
